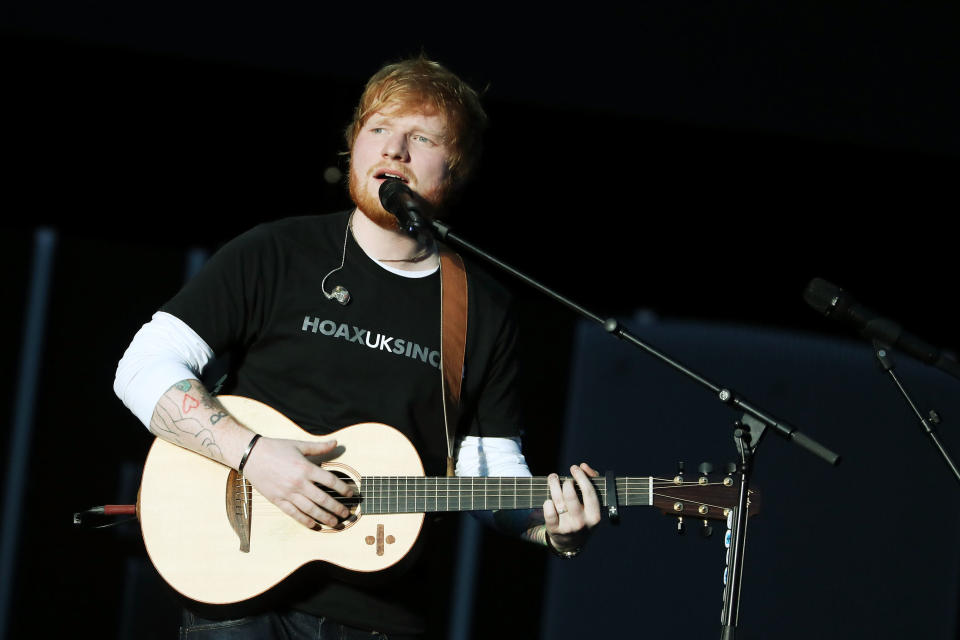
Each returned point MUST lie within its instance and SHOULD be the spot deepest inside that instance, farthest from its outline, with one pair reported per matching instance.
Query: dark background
(703, 161)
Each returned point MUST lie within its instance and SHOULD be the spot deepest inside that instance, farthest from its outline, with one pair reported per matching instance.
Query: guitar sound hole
(352, 503)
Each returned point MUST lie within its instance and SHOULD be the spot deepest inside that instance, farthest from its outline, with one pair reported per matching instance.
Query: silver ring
(561, 511)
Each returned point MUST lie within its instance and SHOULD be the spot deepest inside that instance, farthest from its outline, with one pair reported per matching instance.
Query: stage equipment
(748, 431)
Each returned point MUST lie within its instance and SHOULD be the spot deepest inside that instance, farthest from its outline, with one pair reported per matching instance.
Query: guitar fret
(418, 494)
(369, 493)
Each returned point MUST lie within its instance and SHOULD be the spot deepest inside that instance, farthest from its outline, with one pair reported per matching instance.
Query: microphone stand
(747, 438)
(886, 363)
(415, 225)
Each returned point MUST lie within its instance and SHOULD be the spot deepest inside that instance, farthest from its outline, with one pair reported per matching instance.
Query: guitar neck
(416, 494)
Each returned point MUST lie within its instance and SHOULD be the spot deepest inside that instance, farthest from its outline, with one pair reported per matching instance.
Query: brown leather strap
(453, 334)
(453, 322)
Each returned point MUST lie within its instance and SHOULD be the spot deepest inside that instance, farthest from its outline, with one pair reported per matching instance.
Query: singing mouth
(387, 174)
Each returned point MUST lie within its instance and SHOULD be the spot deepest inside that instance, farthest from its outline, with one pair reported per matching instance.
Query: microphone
(834, 302)
(397, 198)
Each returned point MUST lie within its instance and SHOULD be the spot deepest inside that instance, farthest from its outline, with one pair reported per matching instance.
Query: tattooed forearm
(171, 420)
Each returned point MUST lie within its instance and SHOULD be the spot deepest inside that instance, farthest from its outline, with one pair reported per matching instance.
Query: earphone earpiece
(339, 294)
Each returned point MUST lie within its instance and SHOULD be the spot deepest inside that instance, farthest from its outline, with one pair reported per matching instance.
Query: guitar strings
(403, 486)
(389, 492)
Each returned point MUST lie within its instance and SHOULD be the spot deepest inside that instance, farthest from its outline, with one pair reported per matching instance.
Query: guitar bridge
(239, 500)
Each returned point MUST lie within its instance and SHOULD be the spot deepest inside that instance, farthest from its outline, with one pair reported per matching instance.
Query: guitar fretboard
(416, 494)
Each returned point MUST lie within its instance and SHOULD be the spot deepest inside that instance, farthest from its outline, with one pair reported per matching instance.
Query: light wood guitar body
(188, 534)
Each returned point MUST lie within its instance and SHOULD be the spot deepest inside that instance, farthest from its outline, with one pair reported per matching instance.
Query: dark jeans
(289, 625)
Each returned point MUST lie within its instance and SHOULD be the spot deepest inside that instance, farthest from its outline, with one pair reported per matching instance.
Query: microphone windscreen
(390, 191)
(822, 295)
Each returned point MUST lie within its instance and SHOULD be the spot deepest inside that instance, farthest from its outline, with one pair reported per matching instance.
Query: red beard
(369, 203)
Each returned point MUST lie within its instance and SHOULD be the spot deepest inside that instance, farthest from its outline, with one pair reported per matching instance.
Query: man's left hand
(567, 519)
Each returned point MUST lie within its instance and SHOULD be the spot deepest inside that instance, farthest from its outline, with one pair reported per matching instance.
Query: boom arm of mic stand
(444, 232)
(886, 363)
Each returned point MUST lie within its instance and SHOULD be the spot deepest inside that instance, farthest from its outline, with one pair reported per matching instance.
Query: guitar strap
(453, 341)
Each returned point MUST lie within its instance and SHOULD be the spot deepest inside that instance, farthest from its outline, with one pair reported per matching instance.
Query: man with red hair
(335, 320)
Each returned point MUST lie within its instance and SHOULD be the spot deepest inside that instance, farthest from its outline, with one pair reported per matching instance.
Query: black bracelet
(246, 454)
(566, 555)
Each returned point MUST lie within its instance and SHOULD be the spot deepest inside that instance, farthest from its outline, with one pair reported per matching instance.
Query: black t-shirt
(327, 366)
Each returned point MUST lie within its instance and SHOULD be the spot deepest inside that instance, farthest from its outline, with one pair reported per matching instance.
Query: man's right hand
(280, 471)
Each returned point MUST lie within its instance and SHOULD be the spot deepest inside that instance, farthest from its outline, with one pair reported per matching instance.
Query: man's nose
(396, 147)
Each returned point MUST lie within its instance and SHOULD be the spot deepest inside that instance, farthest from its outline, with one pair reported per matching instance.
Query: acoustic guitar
(215, 539)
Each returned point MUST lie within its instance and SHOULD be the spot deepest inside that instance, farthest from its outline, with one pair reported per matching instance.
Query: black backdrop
(703, 162)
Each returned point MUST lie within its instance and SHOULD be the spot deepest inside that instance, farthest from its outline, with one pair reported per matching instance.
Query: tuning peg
(681, 528)
(731, 468)
(707, 529)
(678, 479)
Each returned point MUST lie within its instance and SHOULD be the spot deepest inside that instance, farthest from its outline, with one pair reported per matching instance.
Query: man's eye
(423, 139)
(377, 130)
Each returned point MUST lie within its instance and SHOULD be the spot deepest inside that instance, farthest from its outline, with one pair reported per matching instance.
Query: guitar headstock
(708, 496)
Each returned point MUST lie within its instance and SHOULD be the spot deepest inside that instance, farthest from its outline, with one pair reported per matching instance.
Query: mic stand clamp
(886, 363)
